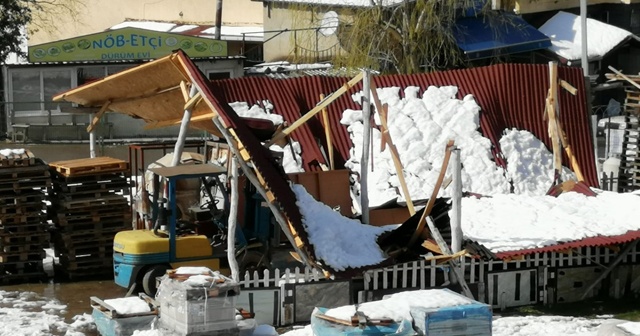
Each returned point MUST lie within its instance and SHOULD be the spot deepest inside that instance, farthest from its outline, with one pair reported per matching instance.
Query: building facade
(105, 37)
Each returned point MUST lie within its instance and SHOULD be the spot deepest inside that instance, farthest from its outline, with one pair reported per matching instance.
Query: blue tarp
(488, 36)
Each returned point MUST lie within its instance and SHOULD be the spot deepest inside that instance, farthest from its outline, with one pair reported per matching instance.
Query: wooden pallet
(18, 160)
(26, 199)
(86, 253)
(62, 244)
(113, 224)
(87, 204)
(27, 209)
(90, 187)
(71, 197)
(24, 238)
(90, 262)
(99, 165)
(25, 228)
(86, 236)
(24, 256)
(20, 173)
(91, 179)
(10, 279)
(94, 213)
(23, 248)
(23, 186)
(21, 267)
(32, 218)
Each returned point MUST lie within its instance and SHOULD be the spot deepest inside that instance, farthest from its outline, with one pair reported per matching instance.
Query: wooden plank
(191, 103)
(383, 111)
(98, 116)
(327, 133)
(184, 90)
(434, 193)
(335, 95)
(625, 77)
(570, 88)
(166, 123)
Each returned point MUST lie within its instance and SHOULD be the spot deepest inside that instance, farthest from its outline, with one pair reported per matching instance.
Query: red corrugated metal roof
(593, 241)
(510, 95)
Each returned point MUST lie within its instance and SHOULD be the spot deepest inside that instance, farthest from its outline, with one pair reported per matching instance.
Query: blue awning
(488, 36)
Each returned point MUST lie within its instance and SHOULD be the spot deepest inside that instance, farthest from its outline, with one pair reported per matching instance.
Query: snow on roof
(227, 33)
(565, 31)
(352, 3)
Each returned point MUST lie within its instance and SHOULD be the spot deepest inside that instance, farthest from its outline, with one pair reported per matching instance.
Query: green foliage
(14, 16)
(411, 37)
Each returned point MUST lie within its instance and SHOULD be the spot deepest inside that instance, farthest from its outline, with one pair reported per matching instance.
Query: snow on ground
(523, 326)
(565, 31)
(26, 313)
(338, 241)
(631, 327)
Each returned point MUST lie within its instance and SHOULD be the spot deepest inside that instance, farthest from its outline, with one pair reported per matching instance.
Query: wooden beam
(383, 111)
(327, 134)
(625, 77)
(185, 91)
(630, 246)
(570, 88)
(193, 101)
(434, 193)
(335, 95)
(98, 116)
(166, 123)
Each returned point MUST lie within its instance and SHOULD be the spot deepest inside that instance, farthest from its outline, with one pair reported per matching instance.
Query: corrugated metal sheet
(510, 95)
(593, 241)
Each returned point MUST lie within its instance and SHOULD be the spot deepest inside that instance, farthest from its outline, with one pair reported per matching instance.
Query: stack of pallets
(89, 205)
(23, 231)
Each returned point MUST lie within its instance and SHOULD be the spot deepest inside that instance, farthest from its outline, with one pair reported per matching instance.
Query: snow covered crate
(473, 319)
(198, 304)
(121, 317)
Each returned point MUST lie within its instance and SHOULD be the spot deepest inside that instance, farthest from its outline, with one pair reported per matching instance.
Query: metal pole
(583, 28)
(456, 211)
(232, 222)
(184, 127)
(366, 137)
(218, 19)
(92, 138)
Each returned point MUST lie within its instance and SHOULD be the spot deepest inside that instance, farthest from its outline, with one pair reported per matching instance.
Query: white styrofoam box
(464, 320)
(179, 327)
(196, 312)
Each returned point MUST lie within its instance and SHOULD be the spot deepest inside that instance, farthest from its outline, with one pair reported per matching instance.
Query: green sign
(125, 44)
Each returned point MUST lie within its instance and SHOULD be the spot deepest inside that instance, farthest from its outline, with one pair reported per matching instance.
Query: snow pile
(26, 313)
(255, 111)
(129, 305)
(630, 327)
(420, 129)
(529, 163)
(565, 31)
(193, 270)
(292, 159)
(514, 222)
(398, 306)
(338, 241)
(545, 325)
(153, 332)
(12, 151)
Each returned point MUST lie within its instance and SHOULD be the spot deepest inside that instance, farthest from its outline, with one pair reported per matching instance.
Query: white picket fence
(277, 277)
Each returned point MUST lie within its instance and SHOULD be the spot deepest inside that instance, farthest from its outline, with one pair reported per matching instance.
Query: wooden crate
(90, 166)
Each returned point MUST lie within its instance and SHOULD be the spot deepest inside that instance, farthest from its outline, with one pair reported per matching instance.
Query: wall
(281, 45)
(98, 15)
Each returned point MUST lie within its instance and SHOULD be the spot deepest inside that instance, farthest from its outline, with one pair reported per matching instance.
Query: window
(33, 89)
(218, 75)
(90, 74)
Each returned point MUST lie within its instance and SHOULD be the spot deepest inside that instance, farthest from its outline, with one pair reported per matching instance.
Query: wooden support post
(383, 112)
(366, 142)
(552, 101)
(335, 95)
(96, 119)
(232, 222)
(327, 134)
